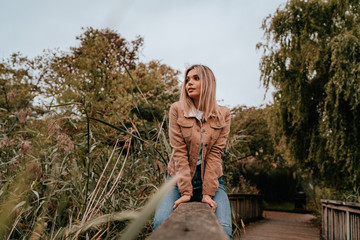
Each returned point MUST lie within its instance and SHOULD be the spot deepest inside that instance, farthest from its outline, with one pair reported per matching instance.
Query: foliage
(99, 148)
(95, 76)
(311, 57)
(250, 147)
(251, 123)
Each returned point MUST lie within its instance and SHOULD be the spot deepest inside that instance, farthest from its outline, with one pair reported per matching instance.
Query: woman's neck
(196, 102)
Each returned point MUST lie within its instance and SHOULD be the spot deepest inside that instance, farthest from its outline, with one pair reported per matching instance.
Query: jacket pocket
(186, 127)
(216, 128)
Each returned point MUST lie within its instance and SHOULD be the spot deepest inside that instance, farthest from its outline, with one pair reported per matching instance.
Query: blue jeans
(223, 211)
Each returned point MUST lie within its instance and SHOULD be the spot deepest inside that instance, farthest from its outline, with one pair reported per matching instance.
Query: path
(281, 226)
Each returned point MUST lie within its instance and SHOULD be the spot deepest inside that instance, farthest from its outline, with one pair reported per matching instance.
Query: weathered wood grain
(246, 207)
(190, 221)
(340, 220)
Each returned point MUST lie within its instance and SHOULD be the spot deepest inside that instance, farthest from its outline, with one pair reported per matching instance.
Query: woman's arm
(213, 163)
(180, 153)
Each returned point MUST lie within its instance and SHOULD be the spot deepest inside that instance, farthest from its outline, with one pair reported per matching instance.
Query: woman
(198, 130)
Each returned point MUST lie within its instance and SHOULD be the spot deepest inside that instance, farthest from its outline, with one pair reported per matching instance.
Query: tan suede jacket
(185, 140)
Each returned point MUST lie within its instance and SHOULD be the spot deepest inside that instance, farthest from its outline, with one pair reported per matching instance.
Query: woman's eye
(197, 78)
(186, 80)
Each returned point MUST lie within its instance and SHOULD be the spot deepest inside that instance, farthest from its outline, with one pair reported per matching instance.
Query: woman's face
(193, 84)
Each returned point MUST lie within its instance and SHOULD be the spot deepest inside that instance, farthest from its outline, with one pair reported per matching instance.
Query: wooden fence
(340, 220)
(246, 207)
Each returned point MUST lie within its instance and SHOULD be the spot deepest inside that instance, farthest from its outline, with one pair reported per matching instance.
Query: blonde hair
(207, 101)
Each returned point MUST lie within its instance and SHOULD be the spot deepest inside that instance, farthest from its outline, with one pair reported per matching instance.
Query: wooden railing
(340, 220)
(246, 207)
(191, 221)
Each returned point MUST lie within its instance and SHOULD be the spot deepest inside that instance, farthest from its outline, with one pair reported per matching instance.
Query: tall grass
(67, 201)
(70, 183)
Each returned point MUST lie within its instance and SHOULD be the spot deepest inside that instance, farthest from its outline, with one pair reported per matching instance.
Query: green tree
(311, 56)
(250, 147)
(95, 76)
(250, 125)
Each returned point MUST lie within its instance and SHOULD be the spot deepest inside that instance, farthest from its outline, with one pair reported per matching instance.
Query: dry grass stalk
(118, 216)
(13, 226)
(117, 180)
(101, 198)
(89, 207)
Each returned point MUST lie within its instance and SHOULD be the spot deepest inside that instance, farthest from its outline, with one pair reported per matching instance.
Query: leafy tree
(251, 146)
(249, 123)
(95, 77)
(18, 89)
(311, 57)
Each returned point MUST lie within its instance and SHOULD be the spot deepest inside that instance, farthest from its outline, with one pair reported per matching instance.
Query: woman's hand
(207, 199)
(183, 199)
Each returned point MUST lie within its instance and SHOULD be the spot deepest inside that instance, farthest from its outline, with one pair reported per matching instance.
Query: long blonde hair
(207, 101)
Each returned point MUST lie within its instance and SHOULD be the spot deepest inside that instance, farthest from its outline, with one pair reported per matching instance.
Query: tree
(18, 89)
(311, 56)
(250, 147)
(103, 76)
(250, 124)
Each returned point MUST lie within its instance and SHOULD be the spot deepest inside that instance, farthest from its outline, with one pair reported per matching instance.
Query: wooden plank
(191, 221)
(282, 226)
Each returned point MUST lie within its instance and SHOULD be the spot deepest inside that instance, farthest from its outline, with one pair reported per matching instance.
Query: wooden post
(347, 225)
(191, 221)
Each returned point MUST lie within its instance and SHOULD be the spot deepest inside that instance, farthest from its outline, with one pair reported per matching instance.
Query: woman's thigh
(165, 208)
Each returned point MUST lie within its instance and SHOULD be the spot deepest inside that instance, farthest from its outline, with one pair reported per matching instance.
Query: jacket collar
(196, 114)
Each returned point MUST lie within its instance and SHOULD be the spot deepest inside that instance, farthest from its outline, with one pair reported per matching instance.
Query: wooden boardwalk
(281, 226)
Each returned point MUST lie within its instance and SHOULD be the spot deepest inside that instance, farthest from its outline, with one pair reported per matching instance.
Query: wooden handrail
(190, 221)
(340, 220)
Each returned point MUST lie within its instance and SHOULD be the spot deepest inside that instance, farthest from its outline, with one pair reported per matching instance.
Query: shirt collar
(196, 114)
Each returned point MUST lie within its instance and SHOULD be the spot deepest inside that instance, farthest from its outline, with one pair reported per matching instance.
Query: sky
(221, 34)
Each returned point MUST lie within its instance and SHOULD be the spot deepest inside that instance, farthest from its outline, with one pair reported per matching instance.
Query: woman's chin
(193, 96)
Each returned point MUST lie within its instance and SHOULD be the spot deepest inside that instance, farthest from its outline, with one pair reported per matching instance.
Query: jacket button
(205, 144)
(219, 125)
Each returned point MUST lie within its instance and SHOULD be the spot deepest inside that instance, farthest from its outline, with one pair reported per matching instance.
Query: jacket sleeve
(179, 153)
(213, 165)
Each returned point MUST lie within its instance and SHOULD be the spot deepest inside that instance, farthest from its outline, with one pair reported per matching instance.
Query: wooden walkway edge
(281, 226)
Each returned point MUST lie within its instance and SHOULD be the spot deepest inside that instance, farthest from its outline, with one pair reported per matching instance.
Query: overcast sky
(221, 34)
